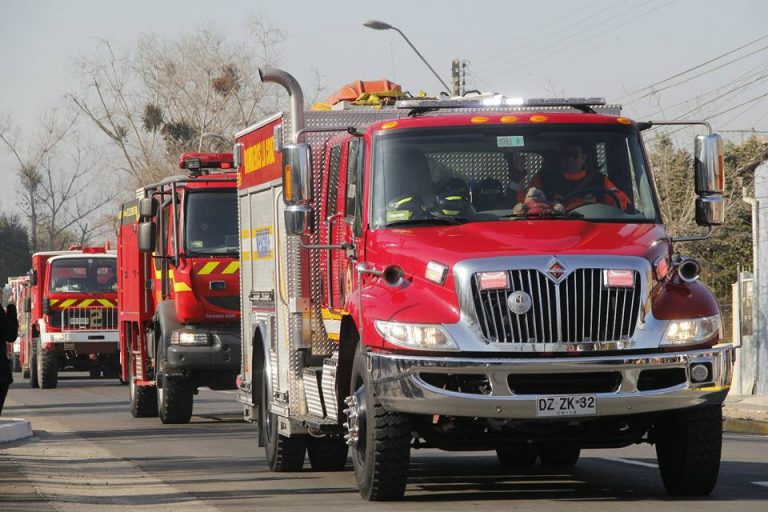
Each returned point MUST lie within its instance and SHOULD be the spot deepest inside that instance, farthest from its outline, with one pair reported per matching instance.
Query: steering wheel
(593, 190)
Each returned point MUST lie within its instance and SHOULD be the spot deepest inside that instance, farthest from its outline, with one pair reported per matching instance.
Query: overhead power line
(694, 68)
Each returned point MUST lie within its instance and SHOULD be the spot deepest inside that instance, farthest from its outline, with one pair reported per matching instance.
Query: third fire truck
(178, 275)
(69, 316)
(405, 285)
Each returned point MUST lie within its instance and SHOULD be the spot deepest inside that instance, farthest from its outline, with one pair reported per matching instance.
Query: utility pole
(458, 77)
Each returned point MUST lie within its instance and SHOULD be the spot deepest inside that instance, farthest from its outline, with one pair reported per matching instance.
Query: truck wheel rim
(356, 424)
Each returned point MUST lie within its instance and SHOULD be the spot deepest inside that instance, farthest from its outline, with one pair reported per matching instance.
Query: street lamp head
(377, 25)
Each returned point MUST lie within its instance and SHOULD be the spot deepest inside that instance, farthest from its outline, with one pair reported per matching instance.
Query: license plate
(566, 405)
(69, 346)
(79, 321)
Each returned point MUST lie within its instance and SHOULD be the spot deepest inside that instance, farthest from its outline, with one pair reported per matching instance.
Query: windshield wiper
(445, 221)
(547, 215)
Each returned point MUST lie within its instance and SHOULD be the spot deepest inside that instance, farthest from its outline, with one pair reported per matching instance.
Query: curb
(745, 426)
(12, 429)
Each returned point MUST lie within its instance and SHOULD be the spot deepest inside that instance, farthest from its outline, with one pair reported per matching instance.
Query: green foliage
(15, 254)
(731, 244)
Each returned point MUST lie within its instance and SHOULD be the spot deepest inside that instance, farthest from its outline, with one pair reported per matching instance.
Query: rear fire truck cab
(178, 277)
(404, 286)
(69, 316)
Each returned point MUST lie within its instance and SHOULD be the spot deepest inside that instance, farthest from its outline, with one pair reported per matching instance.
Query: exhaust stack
(290, 84)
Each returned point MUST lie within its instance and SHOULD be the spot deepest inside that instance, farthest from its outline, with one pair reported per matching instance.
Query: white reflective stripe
(633, 462)
(332, 326)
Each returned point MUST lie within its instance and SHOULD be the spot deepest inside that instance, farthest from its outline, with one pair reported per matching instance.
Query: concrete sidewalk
(746, 414)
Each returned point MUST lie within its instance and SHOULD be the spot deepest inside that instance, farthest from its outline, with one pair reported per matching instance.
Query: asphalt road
(89, 454)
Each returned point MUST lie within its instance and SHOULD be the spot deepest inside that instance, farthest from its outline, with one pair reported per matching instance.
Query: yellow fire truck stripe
(208, 268)
(327, 315)
(106, 303)
(85, 303)
(54, 301)
(68, 303)
(231, 268)
(181, 287)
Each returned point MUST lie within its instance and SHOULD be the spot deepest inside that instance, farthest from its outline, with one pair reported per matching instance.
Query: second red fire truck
(178, 277)
(420, 275)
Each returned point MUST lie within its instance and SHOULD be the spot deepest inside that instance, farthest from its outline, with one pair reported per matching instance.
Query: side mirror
(710, 210)
(147, 207)
(709, 164)
(297, 174)
(46, 306)
(33, 277)
(147, 236)
(27, 305)
(297, 219)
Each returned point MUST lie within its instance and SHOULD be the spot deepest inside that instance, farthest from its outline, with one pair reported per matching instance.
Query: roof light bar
(498, 101)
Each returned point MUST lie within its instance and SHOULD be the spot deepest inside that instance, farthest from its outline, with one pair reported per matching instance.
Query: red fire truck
(19, 291)
(178, 274)
(69, 318)
(419, 275)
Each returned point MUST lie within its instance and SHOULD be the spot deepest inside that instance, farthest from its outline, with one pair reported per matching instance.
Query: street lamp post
(380, 25)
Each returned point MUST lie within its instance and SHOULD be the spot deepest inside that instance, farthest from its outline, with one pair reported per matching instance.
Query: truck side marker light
(436, 272)
(623, 120)
(508, 119)
(387, 126)
(538, 119)
(494, 281)
(478, 119)
(661, 267)
(613, 278)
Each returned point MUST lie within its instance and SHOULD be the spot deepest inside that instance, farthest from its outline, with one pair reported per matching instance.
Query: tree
(15, 253)
(60, 183)
(159, 100)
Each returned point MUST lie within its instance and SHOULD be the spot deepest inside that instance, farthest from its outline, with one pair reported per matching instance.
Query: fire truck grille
(578, 309)
(85, 319)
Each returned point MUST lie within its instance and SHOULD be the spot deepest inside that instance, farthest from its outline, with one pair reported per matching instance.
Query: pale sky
(607, 48)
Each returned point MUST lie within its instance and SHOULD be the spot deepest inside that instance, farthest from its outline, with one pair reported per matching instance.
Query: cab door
(342, 197)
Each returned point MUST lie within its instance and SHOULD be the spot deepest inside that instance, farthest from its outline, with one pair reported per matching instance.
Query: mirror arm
(693, 238)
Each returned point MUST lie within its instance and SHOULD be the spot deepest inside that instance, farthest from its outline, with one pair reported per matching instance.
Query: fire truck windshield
(463, 174)
(83, 275)
(211, 223)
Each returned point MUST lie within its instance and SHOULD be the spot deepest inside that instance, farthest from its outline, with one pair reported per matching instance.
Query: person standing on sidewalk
(9, 330)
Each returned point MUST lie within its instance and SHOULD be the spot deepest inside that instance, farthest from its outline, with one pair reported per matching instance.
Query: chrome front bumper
(110, 336)
(398, 386)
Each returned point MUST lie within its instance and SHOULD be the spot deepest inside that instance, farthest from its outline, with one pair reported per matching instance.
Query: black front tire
(688, 448)
(383, 451)
(327, 453)
(33, 366)
(47, 368)
(175, 401)
(143, 398)
(284, 454)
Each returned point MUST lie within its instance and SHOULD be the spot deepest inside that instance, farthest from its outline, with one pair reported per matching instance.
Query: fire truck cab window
(211, 223)
(452, 175)
(83, 275)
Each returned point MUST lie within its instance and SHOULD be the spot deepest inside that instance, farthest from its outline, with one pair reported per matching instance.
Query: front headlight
(190, 338)
(416, 336)
(693, 330)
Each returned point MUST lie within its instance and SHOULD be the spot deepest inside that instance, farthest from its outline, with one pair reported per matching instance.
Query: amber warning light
(493, 281)
(618, 278)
